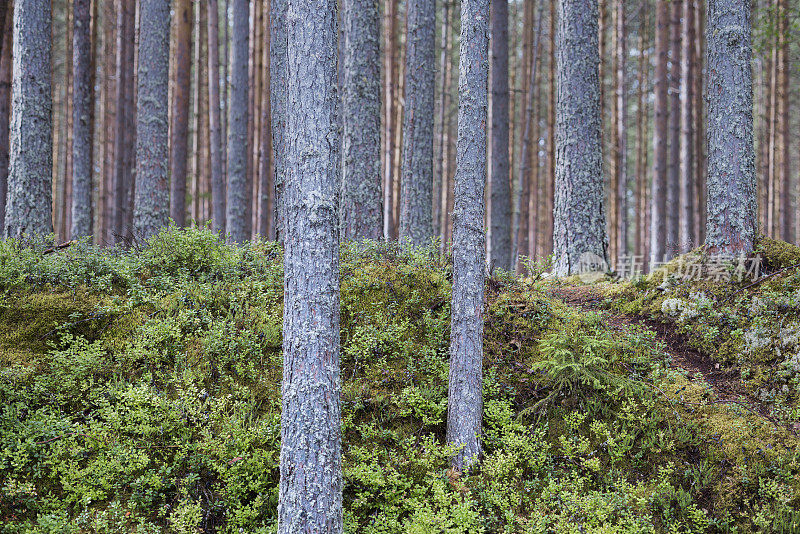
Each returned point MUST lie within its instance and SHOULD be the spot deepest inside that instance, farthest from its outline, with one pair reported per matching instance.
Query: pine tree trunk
(28, 202)
(389, 107)
(124, 133)
(361, 203)
(700, 125)
(310, 492)
(264, 197)
(579, 235)
(151, 203)
(5, 103)
(731, 224)
(550, 173)
(786, 218)
(673, 173)
(277, 102)
(109, 113)
(239, 226)
(215, 141)
(687, 179)
(82, 112)
(179, 157)
(658, 197)
(464, 399)
(501, 190)
(416, 195)
(439, 180)
(641, 143)
(621, 133)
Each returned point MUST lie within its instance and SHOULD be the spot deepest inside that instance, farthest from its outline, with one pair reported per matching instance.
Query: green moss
(777, 254)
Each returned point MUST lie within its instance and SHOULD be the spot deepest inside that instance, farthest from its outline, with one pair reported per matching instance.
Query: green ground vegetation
(140, 392)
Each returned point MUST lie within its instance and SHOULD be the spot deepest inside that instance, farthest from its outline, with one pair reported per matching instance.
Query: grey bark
(501, 187)
(5, 105)
(687, 177)
(310, 492)
(82, 112)
(658, 209)
(416, 188)
(621, 134)
(464, 399)
(125, 123)
(674, 171)
(239, 224)
(28, 203)
(361, 205)
(731, 224)
(440, 180)
(180, 111)
(151, 203)
(215, 140)
(579, 230)
(277, 101)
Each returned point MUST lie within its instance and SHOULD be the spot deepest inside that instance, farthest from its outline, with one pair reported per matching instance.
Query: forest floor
(140, 392)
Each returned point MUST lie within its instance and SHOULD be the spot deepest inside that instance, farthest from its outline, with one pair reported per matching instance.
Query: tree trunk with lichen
(579, 235)
(179, 158)
(28, 202)
(310, 491)
(151, 201)
(416, 193)
(82, 111)
(277, 102)
(465, 404)
(5, 104)
(731, 223)
(500, 186)
(361, 202)
(238, 222)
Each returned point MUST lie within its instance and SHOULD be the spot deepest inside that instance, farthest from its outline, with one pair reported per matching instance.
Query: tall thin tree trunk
(180, 110)
(238, 222)
(641, 142)
(390, 85)
(621, 132)
(82, 112)
(731, 225)
(446, 144)
(550, 173)
(310, 491)
(264, 197)
(700, 124)
(124, 135)
(28, 202)
(215, 141)
(658, 197)
(465, 404)
(580, 226)
(416, 196)
(439, 181)
(500, 186)
(673, 166)
(687, 179)
(786, 217)
(277, 102)
(151, 204)
(5, 104)
(110, 110)
(361, 208)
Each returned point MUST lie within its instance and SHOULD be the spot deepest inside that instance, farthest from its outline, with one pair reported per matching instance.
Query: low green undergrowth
(140, 392)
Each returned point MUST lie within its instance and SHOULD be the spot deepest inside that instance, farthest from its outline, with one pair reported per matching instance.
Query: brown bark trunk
(181, 97)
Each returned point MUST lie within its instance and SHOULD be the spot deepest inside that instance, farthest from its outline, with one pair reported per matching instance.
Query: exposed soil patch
(726, 383)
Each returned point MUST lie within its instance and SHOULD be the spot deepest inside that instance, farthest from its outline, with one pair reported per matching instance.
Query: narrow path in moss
(726, 383)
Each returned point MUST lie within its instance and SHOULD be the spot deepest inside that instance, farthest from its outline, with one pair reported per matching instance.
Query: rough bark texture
(658, 210)
(239, 226)
(439, 179)
(361, 201)
(731, 224)
(179, 133)
(277, 102)
(82, 111)
(28, 204)
(5, 104)
(464, 400)
(501, 188)
(579, 234)
(621, 130)
(310, 494)
(673, 172)
(416, 194)
(389, 108)
(151, 204)
(125, 124)
(687, 200)
(215, 141)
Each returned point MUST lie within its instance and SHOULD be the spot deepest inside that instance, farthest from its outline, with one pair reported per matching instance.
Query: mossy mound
(144, 396)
